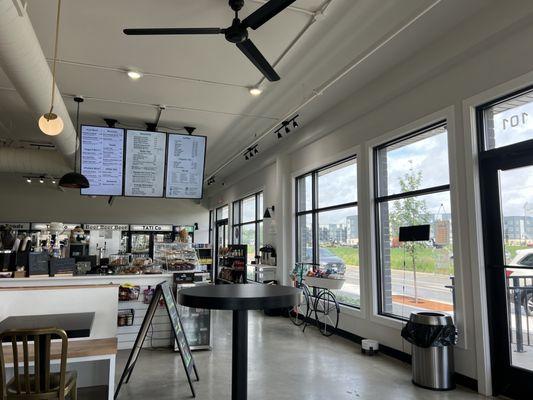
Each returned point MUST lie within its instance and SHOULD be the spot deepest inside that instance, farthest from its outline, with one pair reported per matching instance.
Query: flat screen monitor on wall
(102, 158)
(144, 174)
(185, 166)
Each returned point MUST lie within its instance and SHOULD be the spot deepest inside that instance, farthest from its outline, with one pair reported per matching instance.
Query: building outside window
(412, 187)
(327, 223)
(248, 223)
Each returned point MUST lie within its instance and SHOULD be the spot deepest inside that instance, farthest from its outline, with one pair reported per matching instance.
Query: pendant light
(75, 180)
(49, 123)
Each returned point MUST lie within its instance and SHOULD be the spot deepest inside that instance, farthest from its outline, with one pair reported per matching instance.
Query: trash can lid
(431, 318)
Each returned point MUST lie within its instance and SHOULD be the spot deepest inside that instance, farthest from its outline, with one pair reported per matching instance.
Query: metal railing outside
(520, 311)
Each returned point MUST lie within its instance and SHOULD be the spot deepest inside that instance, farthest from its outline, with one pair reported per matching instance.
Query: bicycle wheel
(297, 314)
(327, 312)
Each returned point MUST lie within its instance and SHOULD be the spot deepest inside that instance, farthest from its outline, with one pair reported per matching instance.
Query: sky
(516, 185)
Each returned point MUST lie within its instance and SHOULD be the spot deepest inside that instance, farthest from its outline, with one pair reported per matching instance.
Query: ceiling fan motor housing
(236, 33)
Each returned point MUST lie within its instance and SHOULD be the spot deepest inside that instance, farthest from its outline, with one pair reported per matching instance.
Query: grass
(426, 259)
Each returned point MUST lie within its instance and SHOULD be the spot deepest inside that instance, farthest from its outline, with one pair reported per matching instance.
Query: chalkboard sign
(162, 290)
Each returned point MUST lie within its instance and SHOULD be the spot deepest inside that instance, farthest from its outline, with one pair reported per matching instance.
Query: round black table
(240, 298)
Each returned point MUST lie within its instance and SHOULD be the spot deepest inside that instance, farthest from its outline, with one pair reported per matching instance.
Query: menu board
(185, 166)
(102, 158)
(145, 163)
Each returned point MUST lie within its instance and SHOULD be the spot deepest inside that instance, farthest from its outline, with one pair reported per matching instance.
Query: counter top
(84, 280)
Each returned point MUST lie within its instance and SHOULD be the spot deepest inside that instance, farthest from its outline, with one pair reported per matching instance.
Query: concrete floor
(284, 364)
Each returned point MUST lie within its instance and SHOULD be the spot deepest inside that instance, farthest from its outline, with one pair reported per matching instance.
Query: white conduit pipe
(27, 161)
(326, 85)
(23, 61)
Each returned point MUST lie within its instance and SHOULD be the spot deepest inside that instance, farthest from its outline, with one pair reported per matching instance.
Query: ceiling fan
(237, 33)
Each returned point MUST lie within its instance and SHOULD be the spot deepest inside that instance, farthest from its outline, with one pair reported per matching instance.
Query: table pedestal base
(239, 367)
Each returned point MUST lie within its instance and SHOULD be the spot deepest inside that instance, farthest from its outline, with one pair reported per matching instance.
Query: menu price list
(145, 163)
(185, 166)
(102, 157)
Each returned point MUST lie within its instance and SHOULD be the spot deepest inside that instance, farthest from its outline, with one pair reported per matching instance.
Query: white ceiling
(203, 80)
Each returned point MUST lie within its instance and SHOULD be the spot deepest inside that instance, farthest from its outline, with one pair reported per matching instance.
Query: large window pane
(337, 185)
(248, 238)
(420, 162)
(222, 213)
(260, 207)
(516, 192)
(415, 276)
(338, 250)
(248, 209)
(509, 122)
(236, 213)
(305, 238)
(305, 193)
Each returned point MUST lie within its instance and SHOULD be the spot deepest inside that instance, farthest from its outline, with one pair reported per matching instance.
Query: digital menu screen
(102, 158)
(145, 163)
(185, 166)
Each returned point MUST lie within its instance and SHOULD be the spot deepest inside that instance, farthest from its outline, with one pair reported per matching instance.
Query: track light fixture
(40, 178)
(286, 126)
(250, 152)
(210, 181)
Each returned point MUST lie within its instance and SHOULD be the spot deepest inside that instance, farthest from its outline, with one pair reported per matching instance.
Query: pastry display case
(175, 257)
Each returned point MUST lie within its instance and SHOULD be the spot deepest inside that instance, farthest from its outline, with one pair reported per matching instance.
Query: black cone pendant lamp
(75, 180)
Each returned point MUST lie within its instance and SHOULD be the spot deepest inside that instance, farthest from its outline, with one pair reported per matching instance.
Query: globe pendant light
(49, 123)
(75, 180)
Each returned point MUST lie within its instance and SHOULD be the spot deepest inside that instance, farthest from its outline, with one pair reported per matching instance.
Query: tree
(409, 211)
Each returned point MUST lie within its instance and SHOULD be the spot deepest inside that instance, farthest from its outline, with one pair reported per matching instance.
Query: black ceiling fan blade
(173, 31)
(255, 56)
(266, 12)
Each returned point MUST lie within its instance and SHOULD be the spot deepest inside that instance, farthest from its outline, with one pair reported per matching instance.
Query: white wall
(491, 48)
(35, 202)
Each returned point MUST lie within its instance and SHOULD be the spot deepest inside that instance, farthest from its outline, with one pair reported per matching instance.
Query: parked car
(328, 260)
(523, 260)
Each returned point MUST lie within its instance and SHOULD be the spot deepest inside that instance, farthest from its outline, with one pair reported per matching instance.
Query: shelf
(225, 281)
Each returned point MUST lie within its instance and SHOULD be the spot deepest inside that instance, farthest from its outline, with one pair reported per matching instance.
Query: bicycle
(323, 302)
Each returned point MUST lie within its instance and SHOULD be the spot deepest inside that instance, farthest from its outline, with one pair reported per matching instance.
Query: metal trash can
(432, 336)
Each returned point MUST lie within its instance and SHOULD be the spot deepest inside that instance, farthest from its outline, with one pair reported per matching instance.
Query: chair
(42, 384)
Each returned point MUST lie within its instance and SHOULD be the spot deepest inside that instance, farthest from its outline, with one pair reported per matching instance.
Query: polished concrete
(284, 364)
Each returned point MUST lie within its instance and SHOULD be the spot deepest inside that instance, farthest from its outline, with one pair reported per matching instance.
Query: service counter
(21, 296)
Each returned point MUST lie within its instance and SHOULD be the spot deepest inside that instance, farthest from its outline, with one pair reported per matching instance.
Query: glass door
(508, 220)
(221, 242)
(506, 178)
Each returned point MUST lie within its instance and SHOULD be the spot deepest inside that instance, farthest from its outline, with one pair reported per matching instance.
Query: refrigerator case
(197, 324)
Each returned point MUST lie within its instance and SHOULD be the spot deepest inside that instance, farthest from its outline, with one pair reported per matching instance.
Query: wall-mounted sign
(145, 163)
(105, 227)
(185, 166)
(102, 160)
(17, 226)
(151, 228)
(43, 226)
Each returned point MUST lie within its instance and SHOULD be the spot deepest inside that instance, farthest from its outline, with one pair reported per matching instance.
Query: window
(211, 223)
(222, 213)
(508, 121)
(327, 223)
(248, 223)
(413, 188)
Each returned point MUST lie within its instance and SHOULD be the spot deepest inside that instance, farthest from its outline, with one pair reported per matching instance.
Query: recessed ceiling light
(255, 91)
(134, 75)
(53, 181)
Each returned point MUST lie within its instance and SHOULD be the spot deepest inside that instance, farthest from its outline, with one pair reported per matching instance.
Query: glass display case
(175, 256)
(197, 322)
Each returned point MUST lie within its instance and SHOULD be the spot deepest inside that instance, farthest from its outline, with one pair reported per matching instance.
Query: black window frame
(258, 220)
(314, 211)
(379, 199)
